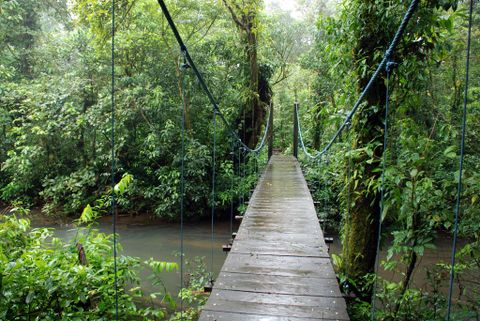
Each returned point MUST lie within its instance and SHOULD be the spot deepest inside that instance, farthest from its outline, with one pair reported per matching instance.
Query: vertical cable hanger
(244, 170)
(239, 171)
(389, 67)
(183, 69)
(113, 165)
(212, 241)
(349, 201)
(326, 198)
(231, 186)
(462, 156)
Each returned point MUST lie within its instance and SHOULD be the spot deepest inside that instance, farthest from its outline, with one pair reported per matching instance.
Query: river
(150, 238)
(146, 238)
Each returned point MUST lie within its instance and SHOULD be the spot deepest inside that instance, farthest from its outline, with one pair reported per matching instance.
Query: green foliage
(422, 154)
(55, 149)
(44, 278)
(197, 276)
(69, 192)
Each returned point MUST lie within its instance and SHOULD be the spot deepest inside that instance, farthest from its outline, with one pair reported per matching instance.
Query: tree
(245, 15)
(365, 25)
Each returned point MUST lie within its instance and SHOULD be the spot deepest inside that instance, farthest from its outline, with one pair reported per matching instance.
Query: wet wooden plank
(314, 267)
(291, 285)
(278, 267)
(269, 235)
(291, 306)
(208, 315)
(292, 247)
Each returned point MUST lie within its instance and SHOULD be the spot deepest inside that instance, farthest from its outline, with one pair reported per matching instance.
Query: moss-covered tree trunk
(361, 235)
(373, 34)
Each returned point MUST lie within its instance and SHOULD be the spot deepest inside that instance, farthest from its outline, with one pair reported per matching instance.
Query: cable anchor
(185, 64)
(391, 65)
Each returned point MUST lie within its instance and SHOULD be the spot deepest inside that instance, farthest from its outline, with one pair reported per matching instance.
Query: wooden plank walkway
(279, 268)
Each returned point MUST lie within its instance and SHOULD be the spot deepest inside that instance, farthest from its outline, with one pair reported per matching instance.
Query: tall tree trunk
(27, 41)
(361, 239)
(361, 236)
(371, 36)
(89, 100)
(260, 92)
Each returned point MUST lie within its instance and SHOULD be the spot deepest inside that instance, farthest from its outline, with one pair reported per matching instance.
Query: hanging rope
(244, 171)
(113, 165)
(255, 164)
(300, 136)
(390, 65)
(231, 187)
(213, 193)
(239, 170)
(462, 156)
(204, 86)
(386, 58)
(183, 70)
(349, 201)
(326, 199)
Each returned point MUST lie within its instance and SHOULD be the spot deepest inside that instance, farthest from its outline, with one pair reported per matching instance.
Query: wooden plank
(278, 267)
(314, 267)
(208, 315)
(280, 247)
(280, 237)
(292, 306)
(275, 284)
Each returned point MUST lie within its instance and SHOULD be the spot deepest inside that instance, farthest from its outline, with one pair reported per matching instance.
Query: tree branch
(234, 16)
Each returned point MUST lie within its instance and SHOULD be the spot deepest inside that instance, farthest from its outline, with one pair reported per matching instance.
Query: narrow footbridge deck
(279, 267)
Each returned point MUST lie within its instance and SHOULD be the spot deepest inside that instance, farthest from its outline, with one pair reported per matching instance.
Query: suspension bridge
(278, 267)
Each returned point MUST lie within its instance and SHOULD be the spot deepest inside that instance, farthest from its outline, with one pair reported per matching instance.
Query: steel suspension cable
(260, 147)
(255, 164)
(183, 69)
(300, 136)
(462, 156)
(231, 187)
(386, 57)
(199, 76)
(349, 200)
(244, 170)
(212, 240)
(326, 199)
(113, 164)
(239, 170)
(389, 66)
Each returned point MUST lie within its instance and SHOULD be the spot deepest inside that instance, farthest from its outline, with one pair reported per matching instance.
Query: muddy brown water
(440, 254)
(149, 238)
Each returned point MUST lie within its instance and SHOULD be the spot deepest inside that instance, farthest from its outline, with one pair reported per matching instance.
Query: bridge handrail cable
(384, 63)
(204, 86)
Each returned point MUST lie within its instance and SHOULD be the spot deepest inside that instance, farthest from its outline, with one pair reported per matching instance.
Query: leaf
(171, 266)
(122, 186)
(450, 152)
(29, 297)
(87, 214)
(337, 260)
(413, 173)
(385, 211)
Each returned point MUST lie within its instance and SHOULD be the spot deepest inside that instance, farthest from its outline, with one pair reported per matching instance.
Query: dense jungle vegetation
(55, 146)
